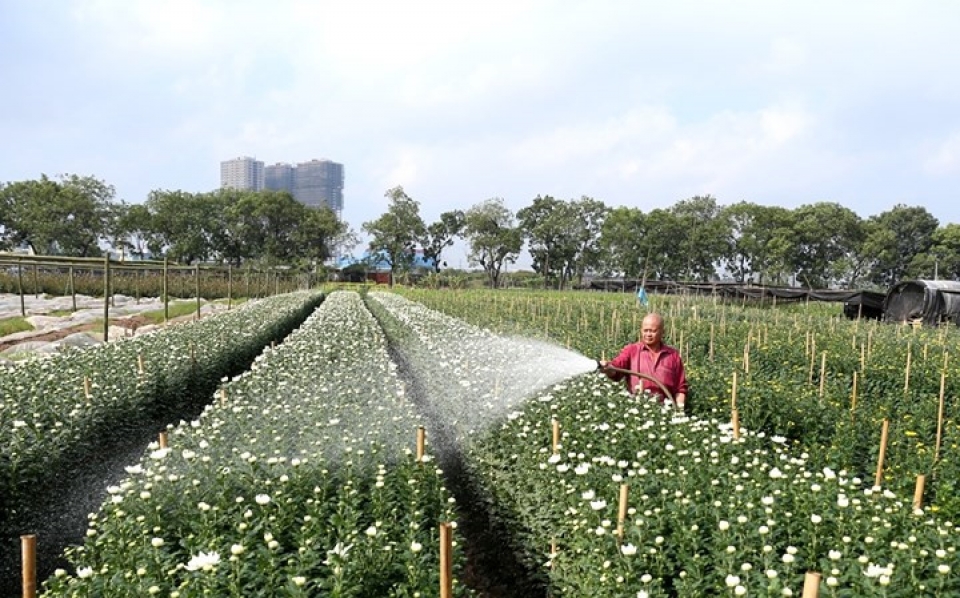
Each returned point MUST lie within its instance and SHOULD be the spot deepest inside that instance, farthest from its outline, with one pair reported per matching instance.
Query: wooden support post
(162, 439)
(883, 452)
(73, 289)
(28, 555)
(223, 396)
(446, 561)
(196, 279)
(421, 443)
(918, 492)
(106, 298)
(166, 290)
(735, 421)
(622, 510)
(811, 585)
(86, 388)
(140, 368)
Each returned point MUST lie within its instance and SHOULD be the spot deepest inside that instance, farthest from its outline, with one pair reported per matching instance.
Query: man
(653, 358)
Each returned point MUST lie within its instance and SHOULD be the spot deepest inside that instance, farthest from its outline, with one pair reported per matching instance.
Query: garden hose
(609, 367)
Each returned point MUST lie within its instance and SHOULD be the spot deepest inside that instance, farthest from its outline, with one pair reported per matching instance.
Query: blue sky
(635, 103)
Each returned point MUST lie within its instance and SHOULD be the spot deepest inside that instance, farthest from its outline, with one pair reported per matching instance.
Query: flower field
(57, 410)
(299, 478)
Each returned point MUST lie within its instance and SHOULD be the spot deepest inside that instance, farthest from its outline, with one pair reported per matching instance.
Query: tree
(135, 225)
(183, 225)
(68, 216)
(942, 261)
(899, 235)
(317, 234)
(825, 233)
(621, 246)
(704, 231)
(492, 236)
(760, 241)
(396, 233)
(440, 235)
(548, 226)
(589, 216)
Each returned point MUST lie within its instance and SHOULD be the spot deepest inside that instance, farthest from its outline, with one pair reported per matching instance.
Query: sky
(633, 102)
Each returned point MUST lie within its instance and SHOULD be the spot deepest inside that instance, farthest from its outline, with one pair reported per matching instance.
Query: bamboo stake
(86, 388)
(746, 358)
(421, 443)
(446, 561)
(556, 437)
(883, 451)
(712, 327)
(733, 395)
(918, 492)
(811, 585)
(943, 382)
(223, 396)
(622, 511)
(906, 376)
(853, 396)
(140, 363)
(735, 420)
(863, 357)
(823, 372)
(162, 439)
(28, 555)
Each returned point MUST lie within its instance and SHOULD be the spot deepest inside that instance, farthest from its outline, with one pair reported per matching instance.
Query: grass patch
(174, 310)
(12, 325)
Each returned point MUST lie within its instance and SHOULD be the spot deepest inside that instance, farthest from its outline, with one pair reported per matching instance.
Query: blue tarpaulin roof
(377, 261)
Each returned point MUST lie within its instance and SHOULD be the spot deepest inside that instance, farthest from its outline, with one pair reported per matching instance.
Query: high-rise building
(319, 183)
(315, 183)
(279, 177)
(242, 173)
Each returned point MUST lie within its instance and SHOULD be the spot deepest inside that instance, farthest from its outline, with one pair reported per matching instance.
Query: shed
(930, 301)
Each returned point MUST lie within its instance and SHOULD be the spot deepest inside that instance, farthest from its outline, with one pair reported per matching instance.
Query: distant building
(279, 177)
(242, 173)
(319, 183)
(314, 184)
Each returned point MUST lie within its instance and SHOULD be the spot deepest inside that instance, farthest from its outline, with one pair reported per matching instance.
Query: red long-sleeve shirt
(667, 368)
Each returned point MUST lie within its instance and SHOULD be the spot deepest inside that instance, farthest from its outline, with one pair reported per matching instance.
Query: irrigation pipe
(610, 368)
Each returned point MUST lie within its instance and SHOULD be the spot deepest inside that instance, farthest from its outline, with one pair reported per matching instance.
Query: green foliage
(12, 325)
(493, 237)
(397, 232)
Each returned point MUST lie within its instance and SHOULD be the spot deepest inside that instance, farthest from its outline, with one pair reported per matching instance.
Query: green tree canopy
(396, 233)
(493, 237)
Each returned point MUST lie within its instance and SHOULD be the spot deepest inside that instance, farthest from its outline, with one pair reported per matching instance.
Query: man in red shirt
(653, 358)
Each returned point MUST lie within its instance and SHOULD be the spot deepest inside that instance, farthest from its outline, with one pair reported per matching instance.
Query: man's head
(651, 331)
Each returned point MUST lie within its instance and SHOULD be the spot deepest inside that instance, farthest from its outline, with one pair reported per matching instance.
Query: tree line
(816, 245)
(78, 216)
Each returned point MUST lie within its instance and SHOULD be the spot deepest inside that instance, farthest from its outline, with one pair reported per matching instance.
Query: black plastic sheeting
(929, 301)
(866, 304)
